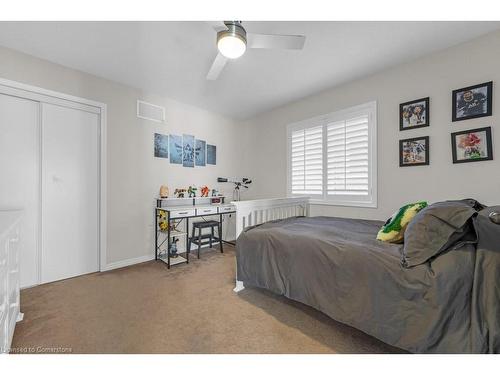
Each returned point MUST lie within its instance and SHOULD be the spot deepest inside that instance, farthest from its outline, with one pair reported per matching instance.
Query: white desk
(179, 209)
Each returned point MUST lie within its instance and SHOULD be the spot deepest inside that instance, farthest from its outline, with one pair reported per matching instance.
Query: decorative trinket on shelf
(179, 193)
(164, 192)
(162, 221)
(204, 191)
(173, 247)
(192, 192)
(214, 193)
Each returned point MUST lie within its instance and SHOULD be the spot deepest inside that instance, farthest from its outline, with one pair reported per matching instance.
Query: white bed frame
(259, 211)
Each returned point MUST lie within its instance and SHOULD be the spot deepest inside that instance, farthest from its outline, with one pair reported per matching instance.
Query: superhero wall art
(472, 102)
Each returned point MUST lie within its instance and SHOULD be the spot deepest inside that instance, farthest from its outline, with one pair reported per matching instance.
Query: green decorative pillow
(393, 230)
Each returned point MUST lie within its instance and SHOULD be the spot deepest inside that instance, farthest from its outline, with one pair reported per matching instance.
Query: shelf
(173, 261)
(181, 199)
(173, 233)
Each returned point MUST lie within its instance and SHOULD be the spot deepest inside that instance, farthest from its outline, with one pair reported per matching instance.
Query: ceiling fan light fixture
(232, 43)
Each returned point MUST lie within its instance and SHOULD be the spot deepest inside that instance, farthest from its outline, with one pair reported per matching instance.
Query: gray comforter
(447, 305)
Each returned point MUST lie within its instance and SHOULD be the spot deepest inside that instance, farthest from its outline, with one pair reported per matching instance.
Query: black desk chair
(199, 239)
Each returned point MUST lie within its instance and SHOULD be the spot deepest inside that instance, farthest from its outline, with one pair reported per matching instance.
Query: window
(332, 158)
(307, 161)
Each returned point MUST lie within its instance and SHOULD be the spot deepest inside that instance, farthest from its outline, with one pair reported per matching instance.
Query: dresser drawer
(182, 213)
(4, 249)
(226, 208)
(3, 310)
(206, 210)
(13, 286)
(4, 295)
(13, 252)
(3, 332)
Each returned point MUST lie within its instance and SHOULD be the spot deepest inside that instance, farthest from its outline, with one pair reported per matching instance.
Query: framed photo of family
(472, 145)
(472, 102)
(414, 114)
(413, 152)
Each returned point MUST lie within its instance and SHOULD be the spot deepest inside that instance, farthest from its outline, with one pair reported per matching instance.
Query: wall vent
(148, 111)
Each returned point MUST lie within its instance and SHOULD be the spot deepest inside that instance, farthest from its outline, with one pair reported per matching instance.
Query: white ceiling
(173, 58)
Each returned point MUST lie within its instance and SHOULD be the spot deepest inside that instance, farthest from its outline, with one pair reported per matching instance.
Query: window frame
(368, 109)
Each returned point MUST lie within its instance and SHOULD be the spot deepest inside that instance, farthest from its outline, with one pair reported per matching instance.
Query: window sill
(323, 202)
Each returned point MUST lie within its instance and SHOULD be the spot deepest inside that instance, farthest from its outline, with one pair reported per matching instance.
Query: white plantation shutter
(347, 157)
(306, 151)
(332, 158)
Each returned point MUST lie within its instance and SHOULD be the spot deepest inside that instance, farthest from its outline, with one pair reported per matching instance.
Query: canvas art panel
(414, 114)
(472, 145)
(175, 145)
(472, 102)
(187, 150)
(413, 152)
(200, 152)
(161, 145)
(211, 154)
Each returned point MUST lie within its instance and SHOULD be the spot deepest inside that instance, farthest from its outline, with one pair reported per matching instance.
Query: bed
(447, 305)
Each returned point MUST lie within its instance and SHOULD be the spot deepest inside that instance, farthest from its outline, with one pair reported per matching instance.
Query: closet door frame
(42, 95)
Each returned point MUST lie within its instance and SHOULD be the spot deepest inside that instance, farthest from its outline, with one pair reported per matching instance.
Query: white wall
(134, 175)
(435, 76)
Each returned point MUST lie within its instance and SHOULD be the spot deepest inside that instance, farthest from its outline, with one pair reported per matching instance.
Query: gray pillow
(436, 228)
(471, 202)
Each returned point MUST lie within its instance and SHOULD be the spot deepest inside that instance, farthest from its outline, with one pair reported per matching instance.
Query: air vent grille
(148, 111)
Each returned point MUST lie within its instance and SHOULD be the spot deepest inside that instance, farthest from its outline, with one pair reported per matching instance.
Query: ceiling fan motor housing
(234, 29)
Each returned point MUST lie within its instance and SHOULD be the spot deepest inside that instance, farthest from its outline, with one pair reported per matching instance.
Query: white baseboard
(127, 262)
(147, 258)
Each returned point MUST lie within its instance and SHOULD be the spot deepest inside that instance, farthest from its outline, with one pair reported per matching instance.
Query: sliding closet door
(70, 181)
(19, 174)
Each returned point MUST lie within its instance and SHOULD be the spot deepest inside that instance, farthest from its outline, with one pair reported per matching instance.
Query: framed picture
(472, 102)
(413, 152)
(211, 154)
(200, 152)
(414, 114)
(187, 150)
(175, 149)
(161, 145)
(472, 145)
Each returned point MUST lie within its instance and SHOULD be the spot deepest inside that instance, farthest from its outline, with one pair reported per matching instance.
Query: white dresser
(9, 276)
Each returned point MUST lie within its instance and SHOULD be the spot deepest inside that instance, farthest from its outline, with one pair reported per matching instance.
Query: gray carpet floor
(147, 308)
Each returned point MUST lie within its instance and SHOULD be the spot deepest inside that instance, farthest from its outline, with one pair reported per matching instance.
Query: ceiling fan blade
(216, 68)
(275, 41)
(217, 25)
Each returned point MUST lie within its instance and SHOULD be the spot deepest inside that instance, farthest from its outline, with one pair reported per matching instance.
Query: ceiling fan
(233, 40)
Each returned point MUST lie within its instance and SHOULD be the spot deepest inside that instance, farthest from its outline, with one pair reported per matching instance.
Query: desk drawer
(227, 208)
(182, 213)
(206, 210)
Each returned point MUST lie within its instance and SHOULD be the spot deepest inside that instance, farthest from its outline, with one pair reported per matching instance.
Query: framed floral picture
(414, 114)
(472, 145)
(413, 152)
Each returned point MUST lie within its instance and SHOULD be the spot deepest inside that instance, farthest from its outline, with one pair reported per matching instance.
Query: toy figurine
(204, 191)
(214, 193)
(173, 247)
(179, 193)
(192, 192)
(164, 191)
